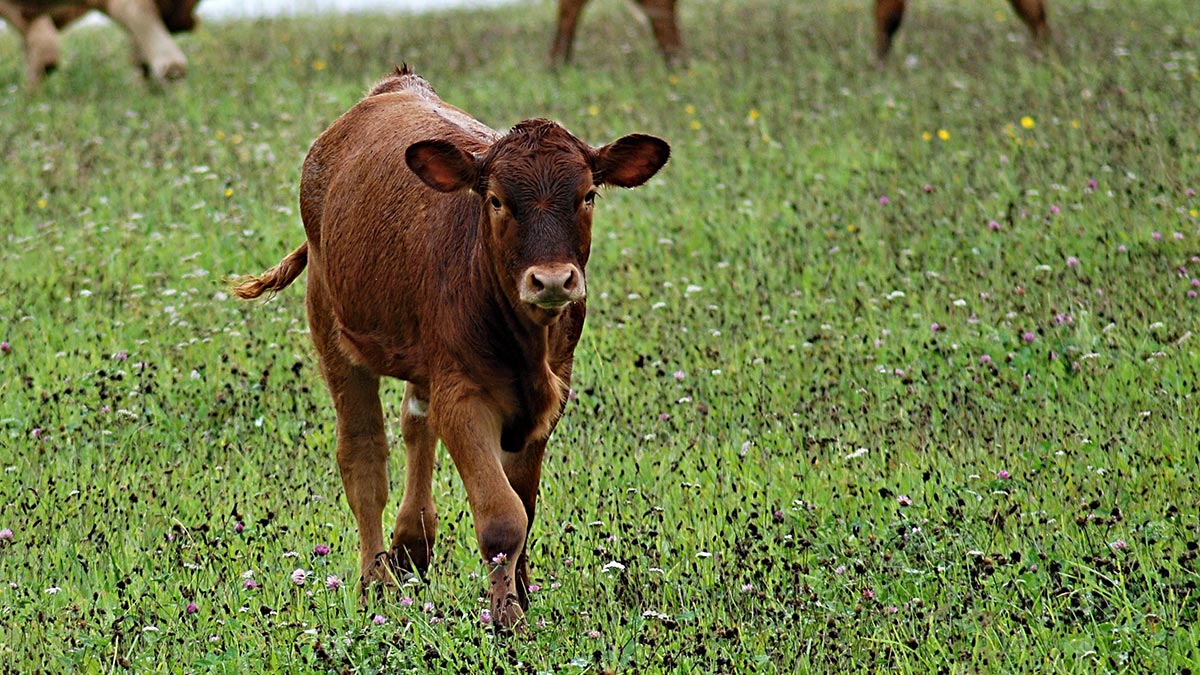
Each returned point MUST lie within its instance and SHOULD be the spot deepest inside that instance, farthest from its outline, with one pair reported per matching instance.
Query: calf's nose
(552, 286)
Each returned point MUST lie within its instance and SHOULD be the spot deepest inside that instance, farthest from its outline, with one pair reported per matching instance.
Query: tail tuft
(275, 279)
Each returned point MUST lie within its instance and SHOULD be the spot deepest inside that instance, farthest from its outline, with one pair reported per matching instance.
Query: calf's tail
(275, 279)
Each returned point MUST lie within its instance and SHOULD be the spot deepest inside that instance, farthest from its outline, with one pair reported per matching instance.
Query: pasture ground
(888, 370)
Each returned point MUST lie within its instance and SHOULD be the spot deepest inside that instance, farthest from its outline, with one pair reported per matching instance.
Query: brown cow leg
(564, 37)
(1033, 13)
(471, 431)
(524, 471)
(888, 14)
(362, 458)
(416, 523)
(155, 48)
(664, 21)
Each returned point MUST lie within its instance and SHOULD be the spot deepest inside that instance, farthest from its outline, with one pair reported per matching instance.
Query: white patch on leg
(417, 408)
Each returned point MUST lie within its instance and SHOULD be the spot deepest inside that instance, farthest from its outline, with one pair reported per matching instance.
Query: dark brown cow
(889, 13)
(663, 19)
(149, 23)
(451, 256)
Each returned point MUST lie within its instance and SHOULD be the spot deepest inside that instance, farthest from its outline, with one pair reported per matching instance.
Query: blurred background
(234, 9)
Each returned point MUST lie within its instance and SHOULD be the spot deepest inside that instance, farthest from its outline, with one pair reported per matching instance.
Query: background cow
(663, 19)
(451, 256)
(889, 13)
(149, 24)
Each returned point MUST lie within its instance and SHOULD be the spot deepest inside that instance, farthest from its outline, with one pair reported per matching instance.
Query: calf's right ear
(442, 165)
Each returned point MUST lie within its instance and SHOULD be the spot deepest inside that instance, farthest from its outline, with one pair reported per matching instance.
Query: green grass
(829, 485)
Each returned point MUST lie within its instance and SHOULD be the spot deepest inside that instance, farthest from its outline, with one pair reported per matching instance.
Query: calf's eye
(494, 202)
(589, 199)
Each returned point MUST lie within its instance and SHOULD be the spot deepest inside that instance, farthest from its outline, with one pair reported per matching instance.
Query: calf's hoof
(410, 557)
(507, 615)
(377, 577)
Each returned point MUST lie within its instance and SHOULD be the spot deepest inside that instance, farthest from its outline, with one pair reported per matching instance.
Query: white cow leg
(157, 51)
(42, 49)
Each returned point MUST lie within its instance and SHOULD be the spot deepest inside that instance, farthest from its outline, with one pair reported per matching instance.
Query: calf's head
(537, 188)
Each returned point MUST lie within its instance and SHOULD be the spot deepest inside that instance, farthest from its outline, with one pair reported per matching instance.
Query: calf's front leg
(524, 471)
(471, 432)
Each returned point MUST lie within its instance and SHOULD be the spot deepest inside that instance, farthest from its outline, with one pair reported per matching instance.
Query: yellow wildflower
(1027, 122)
(943, 134)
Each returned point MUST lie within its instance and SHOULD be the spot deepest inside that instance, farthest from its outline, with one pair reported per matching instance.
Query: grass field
(888, 370)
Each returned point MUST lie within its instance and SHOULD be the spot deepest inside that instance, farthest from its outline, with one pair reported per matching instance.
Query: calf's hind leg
(361, 457)
(416, 522)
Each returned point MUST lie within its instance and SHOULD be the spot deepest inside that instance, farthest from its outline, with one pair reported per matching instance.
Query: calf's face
(537, 187)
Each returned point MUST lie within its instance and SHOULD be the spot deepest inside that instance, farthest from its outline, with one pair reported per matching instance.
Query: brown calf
(453, 257)
(663, 19)
(889, 13)
(149, 23)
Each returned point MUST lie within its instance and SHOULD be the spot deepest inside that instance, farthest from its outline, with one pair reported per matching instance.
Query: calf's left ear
(442, 165)
(630, 160)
